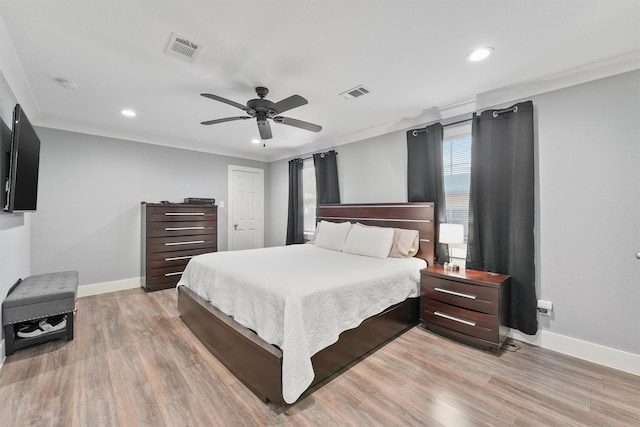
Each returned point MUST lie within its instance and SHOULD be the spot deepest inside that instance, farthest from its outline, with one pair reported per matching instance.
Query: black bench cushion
(40, 296)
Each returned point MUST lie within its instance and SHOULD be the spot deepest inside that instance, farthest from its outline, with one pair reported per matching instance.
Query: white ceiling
(409, 53)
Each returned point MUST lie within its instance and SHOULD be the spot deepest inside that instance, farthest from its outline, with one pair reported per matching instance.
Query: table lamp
(451, 234)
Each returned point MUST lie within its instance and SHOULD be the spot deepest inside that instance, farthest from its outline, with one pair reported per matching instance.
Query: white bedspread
(301, 297)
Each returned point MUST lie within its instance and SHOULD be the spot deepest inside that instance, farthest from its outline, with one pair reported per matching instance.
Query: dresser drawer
(167, 271)
(160, 259)
(160, 282)
(206, 243)
(473, 297)
(475, 324)
(181, 228)
(179, 213)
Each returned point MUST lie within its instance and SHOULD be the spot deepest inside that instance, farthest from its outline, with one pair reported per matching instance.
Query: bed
(258, 363)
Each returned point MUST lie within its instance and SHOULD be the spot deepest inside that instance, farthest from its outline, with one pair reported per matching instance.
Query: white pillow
(331, 235)
(369, 241)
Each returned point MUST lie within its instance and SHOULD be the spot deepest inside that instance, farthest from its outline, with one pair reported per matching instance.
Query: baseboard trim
(596, 353)
(105, 287)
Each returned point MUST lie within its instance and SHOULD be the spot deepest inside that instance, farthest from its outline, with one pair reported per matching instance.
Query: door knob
(235, 227)
(638, 255)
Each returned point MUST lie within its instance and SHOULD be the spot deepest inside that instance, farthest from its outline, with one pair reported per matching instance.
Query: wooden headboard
(413, 216)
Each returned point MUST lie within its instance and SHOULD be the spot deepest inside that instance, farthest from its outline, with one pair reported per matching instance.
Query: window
(456, 162)
(309, 197)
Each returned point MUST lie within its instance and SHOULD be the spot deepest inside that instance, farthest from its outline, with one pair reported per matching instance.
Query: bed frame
(258, 364)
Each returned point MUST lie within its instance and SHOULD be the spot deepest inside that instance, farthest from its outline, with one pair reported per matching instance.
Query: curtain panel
(326, 166)
(295, 219)
(425, 178)
(501, 205)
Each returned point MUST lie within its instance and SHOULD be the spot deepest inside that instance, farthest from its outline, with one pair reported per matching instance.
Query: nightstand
(467, 305)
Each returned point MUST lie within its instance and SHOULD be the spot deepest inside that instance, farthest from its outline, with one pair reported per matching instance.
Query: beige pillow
(405, 243)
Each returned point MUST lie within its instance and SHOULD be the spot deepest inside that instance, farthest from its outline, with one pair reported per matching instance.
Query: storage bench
(38, 297)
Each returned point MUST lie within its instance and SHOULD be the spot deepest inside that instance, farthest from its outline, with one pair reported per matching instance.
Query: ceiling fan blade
(226, 101)
(226, 119)
(265, 130)
(288, 103)
(297, 123)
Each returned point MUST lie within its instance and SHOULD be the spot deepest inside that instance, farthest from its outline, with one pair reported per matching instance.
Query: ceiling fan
(263, 109)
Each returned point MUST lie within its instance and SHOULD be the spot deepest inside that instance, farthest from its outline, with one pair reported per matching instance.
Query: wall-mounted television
(21, 179)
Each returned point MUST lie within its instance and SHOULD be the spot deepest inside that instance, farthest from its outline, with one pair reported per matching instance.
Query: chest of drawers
(467, 305)
(172, 234)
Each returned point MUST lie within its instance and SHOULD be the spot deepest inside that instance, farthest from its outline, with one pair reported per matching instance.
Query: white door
(246, 208)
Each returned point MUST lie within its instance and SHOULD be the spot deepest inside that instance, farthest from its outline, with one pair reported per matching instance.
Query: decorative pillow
(331, 235)
(369, 241)
(405, 243)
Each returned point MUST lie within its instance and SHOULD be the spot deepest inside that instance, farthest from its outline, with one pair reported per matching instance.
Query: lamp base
(451, 267)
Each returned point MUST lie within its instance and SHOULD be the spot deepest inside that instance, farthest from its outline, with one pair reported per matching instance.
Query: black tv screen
(22, 185)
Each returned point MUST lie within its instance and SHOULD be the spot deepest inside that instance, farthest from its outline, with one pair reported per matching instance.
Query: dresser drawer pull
(455, 319)
(184, 213)
(177, 258)
(173, 274)
(182, 228)
(458, 294)
(193, 242)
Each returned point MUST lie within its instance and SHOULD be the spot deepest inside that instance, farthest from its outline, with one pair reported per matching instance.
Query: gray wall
(371, 170)
(587, 225)
(15, 229)
(88, 216)
(589, 146)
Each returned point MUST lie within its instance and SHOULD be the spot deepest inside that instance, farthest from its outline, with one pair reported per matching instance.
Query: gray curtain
(295, 220)
(326, 166)
(501, 206)
(425, 179)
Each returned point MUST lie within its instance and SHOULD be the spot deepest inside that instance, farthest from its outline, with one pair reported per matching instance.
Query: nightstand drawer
(473, 297)
(472, 323)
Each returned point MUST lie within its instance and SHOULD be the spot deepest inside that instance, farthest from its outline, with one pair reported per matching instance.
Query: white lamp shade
(451, 233)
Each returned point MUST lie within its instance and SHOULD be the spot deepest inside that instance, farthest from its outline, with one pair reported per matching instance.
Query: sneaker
(46, 325)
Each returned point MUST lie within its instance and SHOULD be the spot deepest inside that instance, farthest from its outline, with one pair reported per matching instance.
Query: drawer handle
(193, 242)
(184, 213)
(458, 294)
(455, 319)
(176, 258)
(173, 274)
(182, 228)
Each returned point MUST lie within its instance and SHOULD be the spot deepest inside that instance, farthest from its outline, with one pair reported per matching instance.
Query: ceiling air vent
(355, 92)
(181, 48)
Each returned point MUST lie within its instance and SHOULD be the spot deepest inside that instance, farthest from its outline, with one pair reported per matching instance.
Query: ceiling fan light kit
(263, 109)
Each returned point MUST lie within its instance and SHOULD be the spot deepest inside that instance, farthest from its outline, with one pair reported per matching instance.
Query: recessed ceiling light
(128, 113)
(255, 141)
(479, 54)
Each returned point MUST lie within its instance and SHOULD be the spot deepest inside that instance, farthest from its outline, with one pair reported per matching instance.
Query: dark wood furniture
(467, 305)
(258, 364)
(172, 234)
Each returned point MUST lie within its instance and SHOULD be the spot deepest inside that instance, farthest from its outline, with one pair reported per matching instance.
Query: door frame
(230, 202)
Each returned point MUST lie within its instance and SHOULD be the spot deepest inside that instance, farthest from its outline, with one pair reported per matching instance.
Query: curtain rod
(495, 114)
(423, 130)
(514, 109)
(311, 157)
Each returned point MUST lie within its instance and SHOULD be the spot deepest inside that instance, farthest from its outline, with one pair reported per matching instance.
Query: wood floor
(134, 363)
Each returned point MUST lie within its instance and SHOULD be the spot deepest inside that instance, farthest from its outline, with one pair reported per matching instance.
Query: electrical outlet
(545, 307)
(221, 204)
